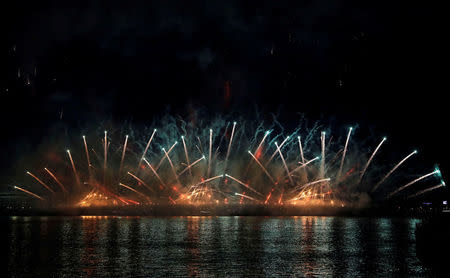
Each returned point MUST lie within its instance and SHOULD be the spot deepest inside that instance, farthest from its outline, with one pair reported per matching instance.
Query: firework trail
(41, 182)
(392, 171)
(344, 152)
(442, 184)
(146, 149)
(28, 192)
(186, 153)
(262, 167)
(414, 181)
(370, 159)
(56, 179)
(123, 154)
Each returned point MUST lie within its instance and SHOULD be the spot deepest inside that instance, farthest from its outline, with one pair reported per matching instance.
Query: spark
(106, 151)
(123, 154)
(134, 190)
(322, 163)
(154, 172)
(392, 171)
(73, 168)
(284, 163)
(414, 181)
(146, 148)
(304, 164)
(370, 159)
(344, 152)
(208, 180)
(87, 153)
(301, 149)
(171, 165)
(41, 182)
(442, 184)
(190, 166)
(244, 184)
(56, 179)
(311, 183)
(275, 152)
(229, 146)
(186, 154)
(262, 141)
(262, 167)
(140, 181)
(245, 196)
(165, 155)
(28, 192)
(210, 151)
(268, 197)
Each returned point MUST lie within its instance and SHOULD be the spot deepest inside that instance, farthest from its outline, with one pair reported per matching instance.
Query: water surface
(210, 246)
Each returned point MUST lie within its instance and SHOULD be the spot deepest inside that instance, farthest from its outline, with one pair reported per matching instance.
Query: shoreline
(230, 210)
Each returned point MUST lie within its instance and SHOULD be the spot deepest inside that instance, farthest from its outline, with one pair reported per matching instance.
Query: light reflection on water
(210, 246)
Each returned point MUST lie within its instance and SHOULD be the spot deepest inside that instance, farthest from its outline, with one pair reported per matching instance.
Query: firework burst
(221, 162)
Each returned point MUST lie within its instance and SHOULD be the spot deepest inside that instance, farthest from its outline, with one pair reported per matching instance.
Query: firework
(392, 171)
(41, 182)
(370, 159)
(123, 154)
(262, 167)
(29, 193)
(308, 172)
(146, 149)
(186, 153)
(344, 152)
(56, 179)
(284, 163)
(442, 184)
(414, 181)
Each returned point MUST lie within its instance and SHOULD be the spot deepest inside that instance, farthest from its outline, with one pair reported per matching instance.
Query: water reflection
(209, 246)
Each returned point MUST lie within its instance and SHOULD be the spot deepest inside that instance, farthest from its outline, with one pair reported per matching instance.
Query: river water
(209, 246)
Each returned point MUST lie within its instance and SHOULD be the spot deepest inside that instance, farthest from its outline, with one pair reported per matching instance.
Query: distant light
(234, 123)
(384, 138)
(416, 151)
(444, 202)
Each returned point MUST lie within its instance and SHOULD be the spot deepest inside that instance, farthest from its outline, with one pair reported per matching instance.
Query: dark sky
(381, 64)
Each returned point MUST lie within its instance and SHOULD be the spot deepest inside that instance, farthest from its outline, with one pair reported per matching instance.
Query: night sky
(381, 65)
